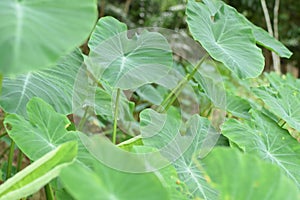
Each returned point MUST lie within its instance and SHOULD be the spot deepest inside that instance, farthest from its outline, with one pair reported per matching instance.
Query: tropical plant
(238, 141)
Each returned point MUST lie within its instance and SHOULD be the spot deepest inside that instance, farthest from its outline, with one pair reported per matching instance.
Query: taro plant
(136, 118)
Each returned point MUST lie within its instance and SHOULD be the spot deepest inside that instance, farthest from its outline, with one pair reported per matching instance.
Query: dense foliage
(133, 118)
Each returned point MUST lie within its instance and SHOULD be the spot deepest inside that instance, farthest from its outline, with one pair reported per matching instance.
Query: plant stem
(116, 116)
(131, 140)
(20, 159)
(10, 159)
(83, 119)
(176, 91)
(49, 192)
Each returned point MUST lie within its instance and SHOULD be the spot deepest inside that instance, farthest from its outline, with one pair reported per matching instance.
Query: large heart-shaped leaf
(261, 136)
(283, 102)
(39, 173)
(104, 183)
(243, 176)
(53, 85)
(127, 62)
(199, 137)
(226, 39)
(34, 34)
(261, 36)
(44, 131)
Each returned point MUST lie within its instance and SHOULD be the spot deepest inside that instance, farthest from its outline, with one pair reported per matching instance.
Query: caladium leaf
(262, 136)
(127, 62)
(35, 34)
(35, 176)
(104, 183)
(53, 85)
(43, 132)
(226, 39)
(199, 136)
(243, 176)
(284, 102)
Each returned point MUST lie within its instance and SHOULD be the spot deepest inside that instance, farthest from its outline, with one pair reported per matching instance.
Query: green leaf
(44, 131)
(39, 173)
(237, 106)
(212, 84)
(243, 176)
(167, 175)
(53, 85)
(276, 80)
(264, 39)
(34, 34)
(261, 36)
(124, 62)
(284, 102)
(226, 39)
(106, 27)
(262, 136)
(213, 5)
(150, 93)
(104, 183)
(197, 136)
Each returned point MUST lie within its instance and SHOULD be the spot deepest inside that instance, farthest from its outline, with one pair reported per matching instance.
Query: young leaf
(243, 176)
(39, 173)
(263, 137)
(125, 62)
(226, 39)
(53, 85)
(104, 183)
(44, 131)
(34, 34)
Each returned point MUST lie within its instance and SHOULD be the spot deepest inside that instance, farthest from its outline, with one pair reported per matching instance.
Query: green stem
(131, 140)
(10, 159)
(177, 90)
(94, 79)
(83, 119)
(49, 192)
(116, 116)
(20, 159)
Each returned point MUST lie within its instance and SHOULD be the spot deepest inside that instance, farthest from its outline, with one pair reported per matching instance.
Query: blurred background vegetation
(171, 14)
